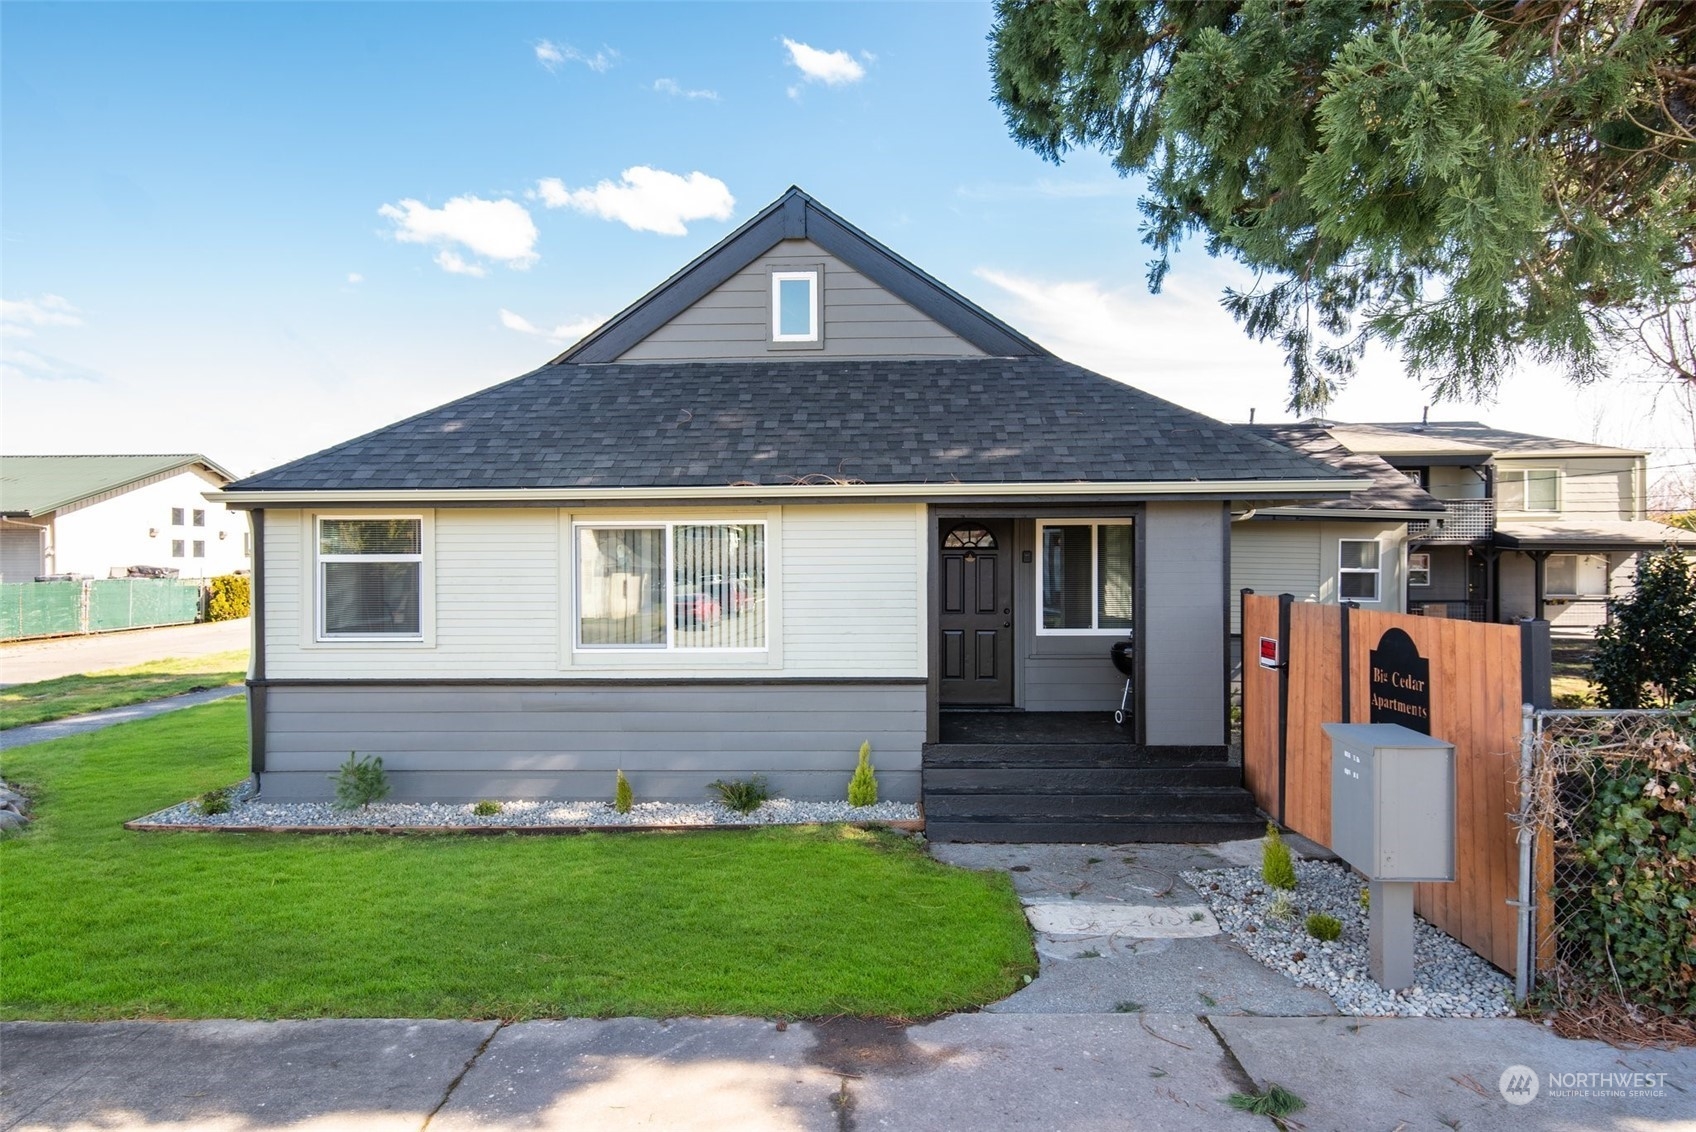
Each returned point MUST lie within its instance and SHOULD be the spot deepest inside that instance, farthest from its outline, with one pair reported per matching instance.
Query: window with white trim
(1086, 577)
(1529, 490)
(673, 586)
(1419, 569)
(1575, 575)
(1357, 569)
(795, 306)
(370, 578)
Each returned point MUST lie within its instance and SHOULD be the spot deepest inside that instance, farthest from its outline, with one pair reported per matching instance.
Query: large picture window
(1357, 569)
(1576, 575)
(671, 586)
(1085, 576)
(370, 578)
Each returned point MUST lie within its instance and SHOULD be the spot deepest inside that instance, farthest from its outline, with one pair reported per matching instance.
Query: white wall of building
(134, 527)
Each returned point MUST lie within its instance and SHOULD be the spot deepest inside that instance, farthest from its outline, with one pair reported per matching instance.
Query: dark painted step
(1011, 755)
(1144, 805)
(1077, 780)
(1093, 832)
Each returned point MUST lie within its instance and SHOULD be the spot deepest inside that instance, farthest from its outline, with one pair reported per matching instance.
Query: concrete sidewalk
(97, 720)
(965, 1071)
(25, 662)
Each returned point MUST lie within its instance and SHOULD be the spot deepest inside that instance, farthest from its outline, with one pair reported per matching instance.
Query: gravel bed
(246, 811)
(1450, 981)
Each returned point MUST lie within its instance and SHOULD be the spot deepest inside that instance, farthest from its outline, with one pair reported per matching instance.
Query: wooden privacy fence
(1476, 690)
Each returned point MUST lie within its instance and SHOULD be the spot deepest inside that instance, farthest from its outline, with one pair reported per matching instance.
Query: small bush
(487, 808)
(360, 782)
(1276, 866)
(1281, 908)
(742, 795)
(862, 788)
(1646, 654)
(230, 597)
(1324, 928)
(214, 802)
(622, 798)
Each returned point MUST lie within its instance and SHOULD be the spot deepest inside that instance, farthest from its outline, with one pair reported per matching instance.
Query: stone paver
(24, 662)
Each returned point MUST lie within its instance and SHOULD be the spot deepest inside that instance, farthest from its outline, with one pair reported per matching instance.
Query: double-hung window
(671, 586)
(1529, 490)
(1419, 569)
(1085, 574)
(1357, 569)
(370, 578)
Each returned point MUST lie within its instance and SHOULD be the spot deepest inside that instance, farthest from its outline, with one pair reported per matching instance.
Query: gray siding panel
(452, 743)
(1181, 627)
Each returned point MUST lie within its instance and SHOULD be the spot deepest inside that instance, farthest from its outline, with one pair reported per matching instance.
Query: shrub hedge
(231, 597)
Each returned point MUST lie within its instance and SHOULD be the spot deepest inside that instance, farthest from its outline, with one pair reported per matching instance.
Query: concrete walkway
(25, 662)
(96, 720)
(966, 1071)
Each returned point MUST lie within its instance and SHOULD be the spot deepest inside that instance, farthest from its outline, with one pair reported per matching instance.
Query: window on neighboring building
(671, 585)
(370, 577)
(176, 516)
(199, 549)
(795, 306)
(1357, 569)
(176, 548)
(199, 518)
(247, 544)
(1085, 576)
(1527, 490)
(1419, 569)
(1575, 575)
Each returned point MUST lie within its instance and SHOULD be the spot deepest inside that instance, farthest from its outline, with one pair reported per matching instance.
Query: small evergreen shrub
(487, 808)
(1646, 654)
(1277, 868)
(360, 782)
(230, 596)
(742, 795)
(1324, 928)
(622, 798)
(214, 802)
(862, 788)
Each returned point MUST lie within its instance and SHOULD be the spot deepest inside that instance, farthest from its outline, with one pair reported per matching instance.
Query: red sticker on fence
(1269, 652)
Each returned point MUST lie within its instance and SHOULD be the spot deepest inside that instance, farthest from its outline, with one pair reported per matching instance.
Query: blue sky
(256, 230)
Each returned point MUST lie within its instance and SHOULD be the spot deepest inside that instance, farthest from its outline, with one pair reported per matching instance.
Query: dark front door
(977, 613)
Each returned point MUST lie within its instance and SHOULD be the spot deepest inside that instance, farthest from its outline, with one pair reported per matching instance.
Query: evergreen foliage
(1477, 181)
(622, 798)
(230, 597)
(1322, 927)
(862, 788)
(1276, 866)
(1646, 655)
(359, 782)
(487, 808)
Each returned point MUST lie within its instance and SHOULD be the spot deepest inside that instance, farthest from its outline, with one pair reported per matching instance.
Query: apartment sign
(1400, 686)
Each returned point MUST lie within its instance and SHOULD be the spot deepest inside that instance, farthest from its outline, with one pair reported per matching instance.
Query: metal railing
(1459, 609)
(1466, 521)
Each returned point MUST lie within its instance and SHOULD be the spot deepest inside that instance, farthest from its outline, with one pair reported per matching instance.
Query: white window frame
(425, 580)
(669, 648)
(1523, 475)
(1094, 526)
(814, 279)
(1419, 563)
(1578, 576)
(1377, 573)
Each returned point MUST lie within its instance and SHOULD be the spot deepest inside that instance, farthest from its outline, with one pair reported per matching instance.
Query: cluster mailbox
(1392, 801)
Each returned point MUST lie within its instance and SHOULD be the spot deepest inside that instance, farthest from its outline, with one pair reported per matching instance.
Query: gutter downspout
(256, 690)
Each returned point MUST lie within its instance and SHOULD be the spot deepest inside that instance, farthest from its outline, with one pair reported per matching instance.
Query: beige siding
(1301, 558)
(844, 586)
(1592, 488)
(861, 319)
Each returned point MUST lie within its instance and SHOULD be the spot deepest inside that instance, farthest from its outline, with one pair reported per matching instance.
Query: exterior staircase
(1062, 784)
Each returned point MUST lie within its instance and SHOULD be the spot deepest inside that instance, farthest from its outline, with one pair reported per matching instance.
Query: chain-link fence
(1608, 871)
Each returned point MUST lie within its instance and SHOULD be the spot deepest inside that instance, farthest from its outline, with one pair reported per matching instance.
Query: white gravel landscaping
(1450, 980)
(246, 812)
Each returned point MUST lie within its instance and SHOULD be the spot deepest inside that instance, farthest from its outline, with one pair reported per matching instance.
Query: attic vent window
(795, 306)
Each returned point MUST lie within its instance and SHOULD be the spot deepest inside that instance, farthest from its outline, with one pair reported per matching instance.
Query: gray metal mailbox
(1393, 818)
(1392, 801)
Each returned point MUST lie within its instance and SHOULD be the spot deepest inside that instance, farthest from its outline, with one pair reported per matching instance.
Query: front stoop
(1083, 792)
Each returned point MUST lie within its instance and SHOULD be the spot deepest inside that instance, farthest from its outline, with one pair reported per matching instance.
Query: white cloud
(19, 318)
(494, 229)
(555, 55)
(562, 334)
(355, 277)
(28, 365)
(648, 200)
(671, 87)
(833, 68)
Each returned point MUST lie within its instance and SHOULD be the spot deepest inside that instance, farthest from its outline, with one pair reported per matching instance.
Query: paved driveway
(28, 661)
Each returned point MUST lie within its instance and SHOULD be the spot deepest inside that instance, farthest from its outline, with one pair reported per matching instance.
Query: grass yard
(98, 922)
(47, 700)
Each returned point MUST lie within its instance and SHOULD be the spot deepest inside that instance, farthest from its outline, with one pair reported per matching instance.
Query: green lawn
(73, 695)
(98, 922)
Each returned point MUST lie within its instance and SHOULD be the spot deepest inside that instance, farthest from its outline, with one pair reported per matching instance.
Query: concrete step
(1078, 780)
(1143, 805)
(1192, 830)
(1036, 755)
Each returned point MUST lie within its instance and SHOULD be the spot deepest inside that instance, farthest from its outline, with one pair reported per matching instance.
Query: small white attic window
(795, 306)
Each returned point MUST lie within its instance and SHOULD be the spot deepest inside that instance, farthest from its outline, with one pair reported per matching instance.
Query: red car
(692, 609)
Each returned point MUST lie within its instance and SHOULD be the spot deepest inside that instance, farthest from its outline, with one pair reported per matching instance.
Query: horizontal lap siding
(458, 743)
(1274, 557)
(852, 591)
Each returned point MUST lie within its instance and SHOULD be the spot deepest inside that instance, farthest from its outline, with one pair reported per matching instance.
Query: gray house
(798, 496)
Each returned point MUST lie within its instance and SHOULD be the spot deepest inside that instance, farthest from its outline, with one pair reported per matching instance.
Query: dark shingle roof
(705, 424)
(1390, 490)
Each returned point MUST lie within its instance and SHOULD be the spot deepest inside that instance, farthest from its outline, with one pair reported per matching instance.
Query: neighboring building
(799, 496)
(97, 516)
(1532, 526)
